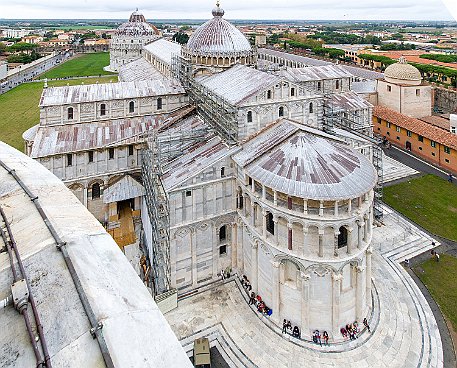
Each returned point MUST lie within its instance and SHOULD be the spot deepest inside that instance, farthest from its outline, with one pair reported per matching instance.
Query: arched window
(270, 223)
(126, 52)
(223, 234)
(337, 84)
(292, 92)
(281, 112)
(131, 106)
(319, 86)
(342, 237)
(102, 109)
(222, 172)
(311, 108)
(159, 103)
(269, 94)
(70, 113)
(95, 191)
(249, 116)
(240, 200)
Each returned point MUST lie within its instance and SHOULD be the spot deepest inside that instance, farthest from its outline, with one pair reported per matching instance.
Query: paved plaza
(404, 332)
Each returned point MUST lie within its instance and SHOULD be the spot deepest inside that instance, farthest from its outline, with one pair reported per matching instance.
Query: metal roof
(60, 139)
(163, 50)
(367, 86)
(126, 188)
(306, 61)
(363, 73)
(202, 156)
(218, 37)
(67, 95)
(239, 83)
(348, 101)
(137, 70)
(309, 164)
(314, 73)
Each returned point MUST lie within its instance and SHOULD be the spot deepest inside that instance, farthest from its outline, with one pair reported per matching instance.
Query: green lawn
(19, 108)
(439, 278)
(80, 66)
(429, 201)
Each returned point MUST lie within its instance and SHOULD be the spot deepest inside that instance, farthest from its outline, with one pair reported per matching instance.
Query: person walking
(437, 256)
(450, 178)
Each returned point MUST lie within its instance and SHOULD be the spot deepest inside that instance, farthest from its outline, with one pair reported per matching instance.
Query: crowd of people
(255, 299)
(318, 339)
(287, 328)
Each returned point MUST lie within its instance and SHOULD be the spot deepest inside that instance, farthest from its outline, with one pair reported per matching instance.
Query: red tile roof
(416, 126)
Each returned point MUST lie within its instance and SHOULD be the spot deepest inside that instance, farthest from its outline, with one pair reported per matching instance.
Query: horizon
(255, 10)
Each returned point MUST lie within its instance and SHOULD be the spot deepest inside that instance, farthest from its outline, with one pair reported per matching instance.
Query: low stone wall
(445, 100)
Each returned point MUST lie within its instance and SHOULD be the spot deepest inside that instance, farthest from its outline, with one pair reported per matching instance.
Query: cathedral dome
(218, 37)
(137, 26)
(402, 73)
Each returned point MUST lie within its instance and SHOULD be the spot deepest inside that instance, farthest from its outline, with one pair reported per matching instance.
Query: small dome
(402, 72)
(136, 26)
(218, 37)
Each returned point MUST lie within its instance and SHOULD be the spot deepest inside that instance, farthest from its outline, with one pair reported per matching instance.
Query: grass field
(429, 201)
(439, 278)
(19, 108)
(81, 66)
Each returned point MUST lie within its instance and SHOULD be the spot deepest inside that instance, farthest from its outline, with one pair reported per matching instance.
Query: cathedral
(207, 158)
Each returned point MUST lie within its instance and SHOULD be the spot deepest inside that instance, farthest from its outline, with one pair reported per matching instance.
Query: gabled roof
(126, 188)
(417, 126)
(239, 83)
(348, 101)
(306, 163)
(202, 156)
(306, 61)
(163, 50)
(66, 95)
(140, 69)
(315, 73)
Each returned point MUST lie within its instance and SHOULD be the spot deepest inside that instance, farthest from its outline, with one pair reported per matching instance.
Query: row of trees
(432, 73)
(20, 52)
(343, 38)
(440, 57)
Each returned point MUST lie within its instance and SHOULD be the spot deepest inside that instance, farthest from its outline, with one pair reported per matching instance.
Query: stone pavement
(394, 170)
(405, 336)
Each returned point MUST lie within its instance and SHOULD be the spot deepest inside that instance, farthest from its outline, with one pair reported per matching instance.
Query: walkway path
(406, 336)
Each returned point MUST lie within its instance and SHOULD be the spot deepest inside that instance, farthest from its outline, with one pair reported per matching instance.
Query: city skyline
(408, 10)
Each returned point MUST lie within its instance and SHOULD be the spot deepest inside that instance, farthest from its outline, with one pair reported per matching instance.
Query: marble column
(336, 208)
(245, 210)
(305, 304)
(215, 246)
(275, 197)
(359, 293)
(321, 208)
(336, 294)
(275, 294)
(305, 240)
(234, 245)
(275, 221)
(359, 233)
(254, 267)
(349, 206)
(321, 243)
(253, 214)
(240, 250)
(335, 244)
(264, 223)
(365, 228)
(305, 206)
(368, 274)
(264, 192)
(350, 240)
(193, 247)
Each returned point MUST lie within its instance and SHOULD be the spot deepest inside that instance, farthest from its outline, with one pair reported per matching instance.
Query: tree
(181, 37)
(2, 48)
(22, 46)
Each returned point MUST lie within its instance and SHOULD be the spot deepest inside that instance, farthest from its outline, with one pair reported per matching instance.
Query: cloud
(235, 9)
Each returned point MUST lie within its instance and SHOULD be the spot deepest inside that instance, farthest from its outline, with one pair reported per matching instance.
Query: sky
(234, 9)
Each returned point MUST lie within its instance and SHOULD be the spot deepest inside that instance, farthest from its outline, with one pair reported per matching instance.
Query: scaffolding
(159, 216)
(361, 127)
(217, 111)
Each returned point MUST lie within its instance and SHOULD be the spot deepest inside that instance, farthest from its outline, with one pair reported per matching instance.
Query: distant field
(81, 66)
(429, 201)
(439, 278)
(19, 108)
